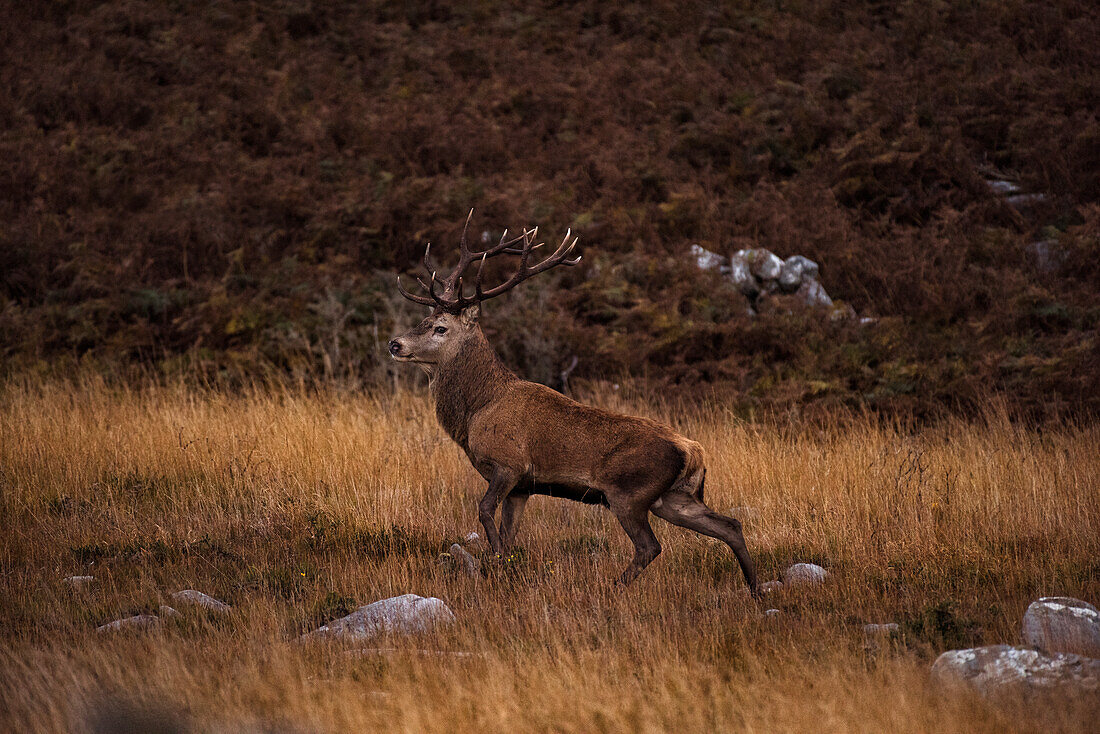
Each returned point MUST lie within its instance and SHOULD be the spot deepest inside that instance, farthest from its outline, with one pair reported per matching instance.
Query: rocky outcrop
(761, 275)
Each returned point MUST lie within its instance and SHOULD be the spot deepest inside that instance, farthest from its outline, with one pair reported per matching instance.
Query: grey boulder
(795, 268)
(741, 274)
(1000, 670)
(813, 294)
(1062, 624)
(805, 573)
(469, 565)
(764, 264)
(198, 599)
(407, 614)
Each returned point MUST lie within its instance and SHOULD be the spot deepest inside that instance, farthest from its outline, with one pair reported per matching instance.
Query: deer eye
(441, 330)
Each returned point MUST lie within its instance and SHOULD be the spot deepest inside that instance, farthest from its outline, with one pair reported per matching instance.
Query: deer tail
(694, 473)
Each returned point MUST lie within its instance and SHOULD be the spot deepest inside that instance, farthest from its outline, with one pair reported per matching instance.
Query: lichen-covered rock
(790, 275)
(199, 599)
(813, 294)
(167, 612)
(408, 614)
(764, 264)
(1063, 624)
(469, 565)
(795, 269)
(805, 573)
(1005, 670)
(139, 621)
(809, 268)
(741, 274)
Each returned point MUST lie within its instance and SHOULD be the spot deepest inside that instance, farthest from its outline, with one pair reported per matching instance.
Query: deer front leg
(501, 483)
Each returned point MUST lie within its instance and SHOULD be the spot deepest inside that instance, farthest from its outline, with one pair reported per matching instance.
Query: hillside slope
(233, 185)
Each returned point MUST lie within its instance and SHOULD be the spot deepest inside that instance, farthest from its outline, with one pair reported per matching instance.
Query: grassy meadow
(296, 506)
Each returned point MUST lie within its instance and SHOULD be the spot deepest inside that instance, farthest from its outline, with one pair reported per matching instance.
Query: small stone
(472, 537)
(881, 630)
(772, 612)
(140, 621)
(805, 573)
(769, 587)
(167, 612)
(1001, 187)
(1003, 670)
(707, 260)
(199, 599)
(78, 582)
(469, 565)
(1063, 624)
(408, 614)
(1022, 201)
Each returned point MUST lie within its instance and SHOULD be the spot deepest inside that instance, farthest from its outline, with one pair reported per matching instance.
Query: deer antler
(454, 300)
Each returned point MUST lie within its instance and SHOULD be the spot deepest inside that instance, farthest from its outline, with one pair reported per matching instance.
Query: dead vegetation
(297, 506)
(229, 188)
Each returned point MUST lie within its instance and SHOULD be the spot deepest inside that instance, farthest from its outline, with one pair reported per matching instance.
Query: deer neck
(467, 383)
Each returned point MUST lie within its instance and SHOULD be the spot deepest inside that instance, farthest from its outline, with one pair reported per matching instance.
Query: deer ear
(470, 314)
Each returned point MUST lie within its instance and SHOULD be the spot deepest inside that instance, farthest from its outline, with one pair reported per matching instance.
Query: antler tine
(524, 271)
(422, 300)
(427, 261)
(453, 299)
(480, 270)
(431, 291)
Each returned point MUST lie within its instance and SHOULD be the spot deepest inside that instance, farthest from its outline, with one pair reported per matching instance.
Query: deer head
(454, 315)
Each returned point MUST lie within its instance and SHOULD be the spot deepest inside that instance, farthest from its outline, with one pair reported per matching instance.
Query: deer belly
(587, 495)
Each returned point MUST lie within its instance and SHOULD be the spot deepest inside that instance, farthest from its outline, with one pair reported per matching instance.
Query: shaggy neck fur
(467, 383)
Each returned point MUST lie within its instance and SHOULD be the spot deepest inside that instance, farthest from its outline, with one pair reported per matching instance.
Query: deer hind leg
(510, 513)
(646, 545)
(681, 508)
(501, 483)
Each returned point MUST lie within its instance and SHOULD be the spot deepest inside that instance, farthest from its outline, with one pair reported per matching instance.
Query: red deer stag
(525, 438)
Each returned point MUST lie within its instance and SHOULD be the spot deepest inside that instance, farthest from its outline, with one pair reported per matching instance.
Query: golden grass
(296, 507)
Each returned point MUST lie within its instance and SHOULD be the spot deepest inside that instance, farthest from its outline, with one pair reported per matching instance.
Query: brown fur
(526, 439)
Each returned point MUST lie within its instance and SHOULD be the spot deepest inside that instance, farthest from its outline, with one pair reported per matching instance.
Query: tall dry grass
(295, 507)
